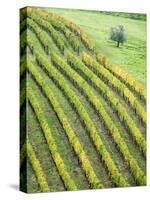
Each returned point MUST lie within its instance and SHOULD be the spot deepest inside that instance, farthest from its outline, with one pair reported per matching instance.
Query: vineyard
(83, 119)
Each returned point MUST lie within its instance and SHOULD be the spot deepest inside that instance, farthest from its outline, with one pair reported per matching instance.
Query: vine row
(90, 174)
(72, 39)
(116, 176)
(122, 75)
(37, 168)
(43, 38)
(22, 91)
(116, 83)
(23, 38)
(68, 181)
(89, 93)
(22, 65)
(72, 26)
(23, 153)
(48, 27)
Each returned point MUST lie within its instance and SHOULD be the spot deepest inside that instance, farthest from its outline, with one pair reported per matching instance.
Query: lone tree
(117, 34)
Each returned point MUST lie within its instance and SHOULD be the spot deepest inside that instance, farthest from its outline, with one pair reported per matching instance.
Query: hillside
(83, 119)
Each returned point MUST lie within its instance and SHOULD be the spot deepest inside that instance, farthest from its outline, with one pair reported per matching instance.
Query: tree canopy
(117, 34)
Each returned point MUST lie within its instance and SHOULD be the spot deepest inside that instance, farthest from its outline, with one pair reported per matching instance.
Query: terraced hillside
(86, 118)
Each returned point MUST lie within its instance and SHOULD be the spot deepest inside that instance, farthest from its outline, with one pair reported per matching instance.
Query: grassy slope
(131, 56)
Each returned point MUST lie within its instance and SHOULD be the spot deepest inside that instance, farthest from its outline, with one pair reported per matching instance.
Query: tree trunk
(118, 44)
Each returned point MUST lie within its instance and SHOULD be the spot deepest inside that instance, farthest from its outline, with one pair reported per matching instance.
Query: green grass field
(83, 121)
(131, 56)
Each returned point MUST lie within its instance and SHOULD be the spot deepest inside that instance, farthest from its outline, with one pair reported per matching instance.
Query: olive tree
(117, 34)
